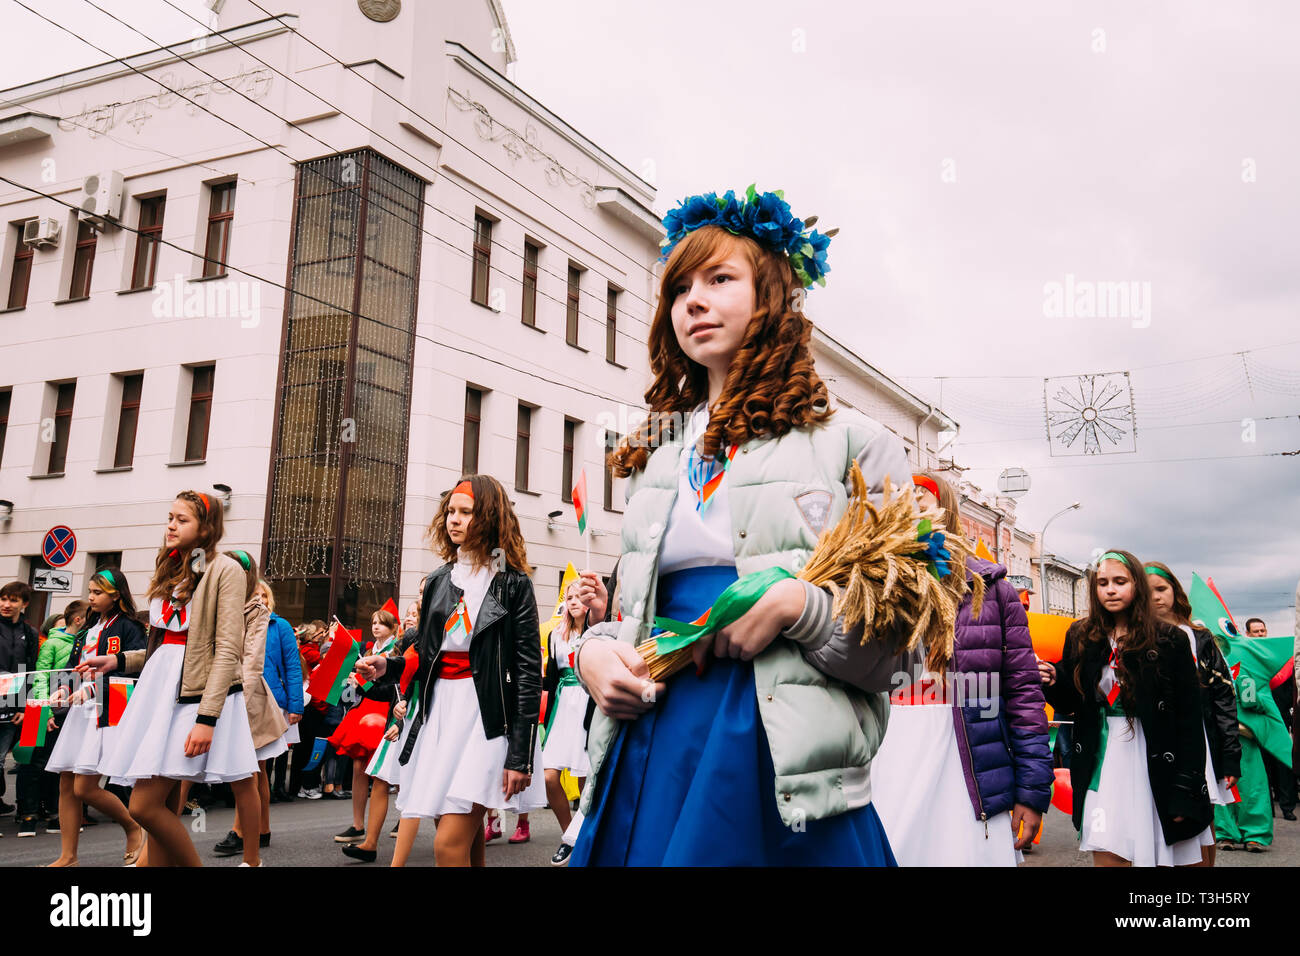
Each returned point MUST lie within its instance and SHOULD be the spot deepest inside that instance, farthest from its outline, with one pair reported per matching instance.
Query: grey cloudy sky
(971, 155)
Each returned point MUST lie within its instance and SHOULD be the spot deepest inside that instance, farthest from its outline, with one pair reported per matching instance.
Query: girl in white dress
(202, 733)
(1138, 767)
(564, 746)
(112, 627)
(473, 741)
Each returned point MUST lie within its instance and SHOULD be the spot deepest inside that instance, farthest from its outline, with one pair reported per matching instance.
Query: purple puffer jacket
(999, 716)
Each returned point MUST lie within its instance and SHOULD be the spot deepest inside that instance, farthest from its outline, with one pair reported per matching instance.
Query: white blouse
(694, 538)
(474, 583)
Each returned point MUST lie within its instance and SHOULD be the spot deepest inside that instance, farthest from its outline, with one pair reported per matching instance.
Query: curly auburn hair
(771, 386)
(493, 528)
(173, 572)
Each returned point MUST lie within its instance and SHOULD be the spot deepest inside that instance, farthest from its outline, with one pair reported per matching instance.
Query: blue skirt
(691, 782)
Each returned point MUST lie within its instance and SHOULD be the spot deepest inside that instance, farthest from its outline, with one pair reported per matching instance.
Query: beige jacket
(214, 650)
(264, 717)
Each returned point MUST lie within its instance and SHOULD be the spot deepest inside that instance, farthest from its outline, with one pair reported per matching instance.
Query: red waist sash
(175, 637)
(453, 665)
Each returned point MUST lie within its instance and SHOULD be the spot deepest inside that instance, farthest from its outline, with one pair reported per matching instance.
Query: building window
(571, 323)
(529, 310)
(128, 419)
(146, 242)
(107, 559)
(523, 438)
(473, 421)
(5, 397)
(83, 261)
(482, 258)
(611, 325)
(196, 436)
(566, 467)
(221, 215)
(612, 441)
(62, 426)
(22, 272)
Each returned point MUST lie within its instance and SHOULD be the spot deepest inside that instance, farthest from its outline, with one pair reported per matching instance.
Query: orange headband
(921, 481)
(464, 488)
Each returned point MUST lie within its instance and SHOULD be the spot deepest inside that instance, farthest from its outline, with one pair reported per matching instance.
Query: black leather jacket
(1218, 705)
(505, 656)
(1169, 707)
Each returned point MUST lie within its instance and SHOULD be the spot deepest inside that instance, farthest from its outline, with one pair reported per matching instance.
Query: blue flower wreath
(764, 217)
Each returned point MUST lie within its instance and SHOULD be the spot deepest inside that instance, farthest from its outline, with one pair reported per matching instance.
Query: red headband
(464, 488)
(929, 484)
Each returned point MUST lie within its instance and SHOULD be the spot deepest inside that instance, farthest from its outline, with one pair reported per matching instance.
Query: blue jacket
(282, 670)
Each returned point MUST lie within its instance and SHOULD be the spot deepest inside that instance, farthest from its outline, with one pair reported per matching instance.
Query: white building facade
(456, 253)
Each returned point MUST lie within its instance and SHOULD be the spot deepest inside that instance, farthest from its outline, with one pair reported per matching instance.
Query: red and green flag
(580, 501)
(332, 673)
(119, 692)
(35, 716)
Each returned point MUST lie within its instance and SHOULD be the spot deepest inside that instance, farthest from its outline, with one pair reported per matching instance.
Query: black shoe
(6, 808)
(350, 835)
(264, 840)
(393, 832)
(86, 819)
(561, 857)
(354, 851)
(1288, 814)
(275, 797)
(52, 824)
(232, 844)
(27, 827)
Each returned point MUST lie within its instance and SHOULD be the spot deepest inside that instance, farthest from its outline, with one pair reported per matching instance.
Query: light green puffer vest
(822, 733)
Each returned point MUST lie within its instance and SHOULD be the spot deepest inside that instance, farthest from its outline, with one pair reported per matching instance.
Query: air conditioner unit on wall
(101, 199)
(41, 233)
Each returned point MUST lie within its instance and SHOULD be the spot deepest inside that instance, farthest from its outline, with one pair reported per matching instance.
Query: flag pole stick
(586, 541)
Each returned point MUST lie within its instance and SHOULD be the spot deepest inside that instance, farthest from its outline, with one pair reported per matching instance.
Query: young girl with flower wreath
(761, 755)
(1128, 681)
(472, 742)
(187, 720)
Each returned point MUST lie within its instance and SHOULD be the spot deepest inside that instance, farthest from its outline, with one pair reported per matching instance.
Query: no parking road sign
(59, 547)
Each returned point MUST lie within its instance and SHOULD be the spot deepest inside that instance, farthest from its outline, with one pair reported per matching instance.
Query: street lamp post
(1042, 557)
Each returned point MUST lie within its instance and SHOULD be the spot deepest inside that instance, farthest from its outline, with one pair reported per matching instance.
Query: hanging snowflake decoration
(1095, 408)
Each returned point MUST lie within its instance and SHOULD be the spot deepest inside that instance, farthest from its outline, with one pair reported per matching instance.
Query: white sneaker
(313, 794)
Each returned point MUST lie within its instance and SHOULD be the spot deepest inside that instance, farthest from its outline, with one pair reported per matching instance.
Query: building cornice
(881, 379)
(512, 91)
(148, 60)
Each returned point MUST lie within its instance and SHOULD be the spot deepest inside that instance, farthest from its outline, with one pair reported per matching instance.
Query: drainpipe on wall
(920, 447)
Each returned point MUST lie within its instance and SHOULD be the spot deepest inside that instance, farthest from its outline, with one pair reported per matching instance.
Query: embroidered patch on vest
(815, 506)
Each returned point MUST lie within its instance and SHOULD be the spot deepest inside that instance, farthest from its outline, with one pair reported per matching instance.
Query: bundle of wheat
(888, 570)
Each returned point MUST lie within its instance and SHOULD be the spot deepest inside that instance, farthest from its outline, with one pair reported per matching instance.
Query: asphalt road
(303, 831)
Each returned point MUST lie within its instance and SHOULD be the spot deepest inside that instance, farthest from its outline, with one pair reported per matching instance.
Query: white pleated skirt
(1120, 815)
(280, 744)
(455, 766)
(150, 739)
(919, 790)
(566, 744)
(81, 743)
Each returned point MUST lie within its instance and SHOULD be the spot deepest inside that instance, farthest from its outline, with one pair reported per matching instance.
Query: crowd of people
(800, 737)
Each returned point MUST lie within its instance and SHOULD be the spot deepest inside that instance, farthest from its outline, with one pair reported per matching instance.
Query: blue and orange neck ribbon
(719, 468)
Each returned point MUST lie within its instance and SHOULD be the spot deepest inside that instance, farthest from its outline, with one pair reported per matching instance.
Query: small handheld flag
(391, 607)
(35, 717)
(332, 673)
(317, 753)
(119, 694)
(580, 501)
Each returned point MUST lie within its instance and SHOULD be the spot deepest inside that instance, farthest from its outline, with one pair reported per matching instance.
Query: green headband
(1160, 571)
(107, 575)
(1113, 556)
(244, 560)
